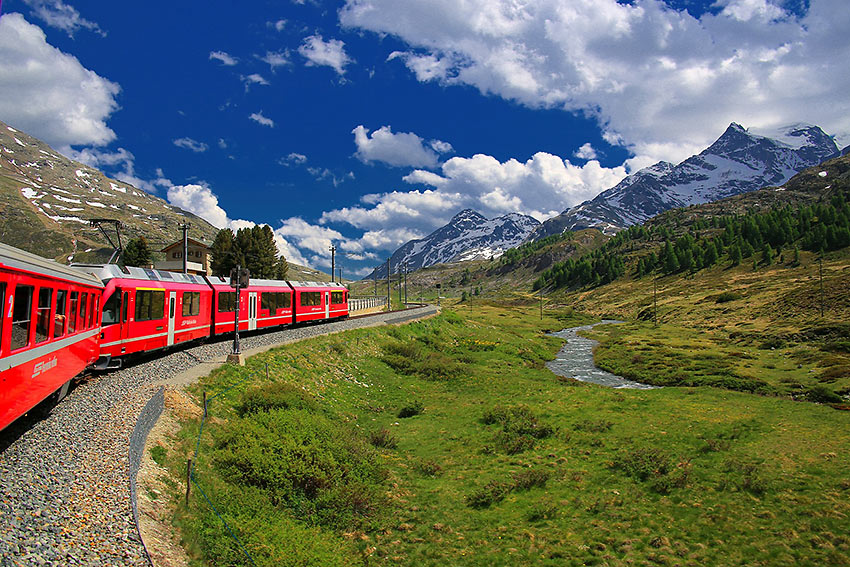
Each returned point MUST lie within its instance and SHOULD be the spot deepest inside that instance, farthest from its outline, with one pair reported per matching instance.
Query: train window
(336, 297)
(96, 309)
(309, 298)
(2, 308)
(42, 315)
(226, 301)
(72, 312)
(61, 308)
(111, 309)
(274, 300)
(150, 305)
(191, 303)
(84, 304)
(21, 315)
(124, 303)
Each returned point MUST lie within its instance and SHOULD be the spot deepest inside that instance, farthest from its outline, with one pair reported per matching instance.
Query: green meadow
(448, 442)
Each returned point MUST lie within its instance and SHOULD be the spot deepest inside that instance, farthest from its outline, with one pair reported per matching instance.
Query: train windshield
(112, 308)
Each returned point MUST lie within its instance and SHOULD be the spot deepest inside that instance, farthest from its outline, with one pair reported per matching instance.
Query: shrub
(543, 510)
(653, 465)
(158, 453)
(277, 395)
(512, 443)
(530, 478)
(320, 468)
(411, 409)
(383, 438)
(520, 428)
(823, 395)
(492, 492)
(428, 467)
(727, 296)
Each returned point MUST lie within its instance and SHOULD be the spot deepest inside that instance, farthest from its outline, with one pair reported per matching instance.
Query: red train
(58, 320)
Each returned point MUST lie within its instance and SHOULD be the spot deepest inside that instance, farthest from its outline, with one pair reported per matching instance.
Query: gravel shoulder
(64, 481)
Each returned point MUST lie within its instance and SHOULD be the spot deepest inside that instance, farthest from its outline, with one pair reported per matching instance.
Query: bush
(823, 395)
(411, 409)
(320, 468)
(727, 296)
(531, 478)
(512, 443)
(383, 439)
(655, 466)
(428, 467)
(277, 395)
(492, 492)
(543, 510)
(520, 428)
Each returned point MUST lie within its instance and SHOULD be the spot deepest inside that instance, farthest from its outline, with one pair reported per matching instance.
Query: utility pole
(389, 298)
(333, 257)
(405, 281)
(185, 228)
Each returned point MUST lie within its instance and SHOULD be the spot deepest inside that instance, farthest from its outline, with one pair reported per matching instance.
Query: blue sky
(370, 122)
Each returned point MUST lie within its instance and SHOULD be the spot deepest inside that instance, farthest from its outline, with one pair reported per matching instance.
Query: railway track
(64, 479)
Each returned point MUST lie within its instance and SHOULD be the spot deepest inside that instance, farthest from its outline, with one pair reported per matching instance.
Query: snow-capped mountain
(48, 200)
(738, 162)
(468, 236)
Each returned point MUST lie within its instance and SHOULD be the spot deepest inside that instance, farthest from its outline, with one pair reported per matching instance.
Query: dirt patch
(157, 485)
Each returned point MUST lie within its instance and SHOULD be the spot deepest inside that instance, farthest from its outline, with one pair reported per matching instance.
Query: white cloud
(316, 239)
(663, 83)
(276, 59)
(192, 145)
(222, 144)
(224, 58)
(200, 200)
(325, 174)
(49, 94)
(260, 119)
(293, 158)
(253, 79)
(586, 152)
(57, 14)
(319, 52)
(278, 25)
(441, 147)
(404, 149)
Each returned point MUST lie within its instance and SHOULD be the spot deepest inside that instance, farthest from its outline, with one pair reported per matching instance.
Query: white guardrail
(364, 303)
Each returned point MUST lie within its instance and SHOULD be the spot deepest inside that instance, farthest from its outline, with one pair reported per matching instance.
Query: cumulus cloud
(48, 93)
(319, 52)
(657, 80)
(200, 200)
(277, 25)
(57, 14)
(260, 119)
(293, 158)
(404, 149)
(586, 152)
(310, 238)
(224, 58)
(192, 145)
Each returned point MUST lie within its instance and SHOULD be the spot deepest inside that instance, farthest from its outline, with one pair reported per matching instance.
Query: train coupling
(106, 362)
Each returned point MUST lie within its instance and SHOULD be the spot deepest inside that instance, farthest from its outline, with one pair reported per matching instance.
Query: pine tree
(136, 253)
(735, 254)
(222, 253)
(281, 270)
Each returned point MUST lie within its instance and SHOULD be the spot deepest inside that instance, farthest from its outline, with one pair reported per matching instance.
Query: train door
(327, 305)
(252, 310)
(172, 303)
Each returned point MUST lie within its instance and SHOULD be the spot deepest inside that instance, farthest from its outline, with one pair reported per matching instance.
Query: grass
(687, 475)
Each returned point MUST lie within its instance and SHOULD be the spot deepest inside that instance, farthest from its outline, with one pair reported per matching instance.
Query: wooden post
(205, 404)
(188, 479)
(267, 371)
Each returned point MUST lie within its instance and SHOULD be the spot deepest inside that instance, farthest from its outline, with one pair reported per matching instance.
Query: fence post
(267, 371)
(205, 404)
(188, 479)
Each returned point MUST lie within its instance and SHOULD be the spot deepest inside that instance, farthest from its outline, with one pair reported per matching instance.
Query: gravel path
(64, 485)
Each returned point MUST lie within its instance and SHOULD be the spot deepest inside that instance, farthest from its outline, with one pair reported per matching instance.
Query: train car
(145, 310)
(315, 301)
(49, 329)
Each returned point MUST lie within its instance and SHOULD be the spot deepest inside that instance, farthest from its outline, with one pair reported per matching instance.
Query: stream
(575, 360)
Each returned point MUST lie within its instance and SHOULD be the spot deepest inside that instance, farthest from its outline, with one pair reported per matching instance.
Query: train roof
(15, 258)
(216, 280)
(107, 272)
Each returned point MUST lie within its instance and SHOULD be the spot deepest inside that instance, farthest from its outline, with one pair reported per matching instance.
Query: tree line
(762, 236)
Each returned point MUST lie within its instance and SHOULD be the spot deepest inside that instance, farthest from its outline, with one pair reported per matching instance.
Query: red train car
(315, 301)
(146, 309)
(49, 329)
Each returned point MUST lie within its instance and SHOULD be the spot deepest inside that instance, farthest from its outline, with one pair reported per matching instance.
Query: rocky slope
(738, 162)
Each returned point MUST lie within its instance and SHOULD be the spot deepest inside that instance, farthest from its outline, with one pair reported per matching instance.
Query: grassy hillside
(446, 442)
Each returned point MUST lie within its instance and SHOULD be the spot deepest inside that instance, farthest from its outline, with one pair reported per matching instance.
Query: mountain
(738, 162)
(49, 199)
(468, 236)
